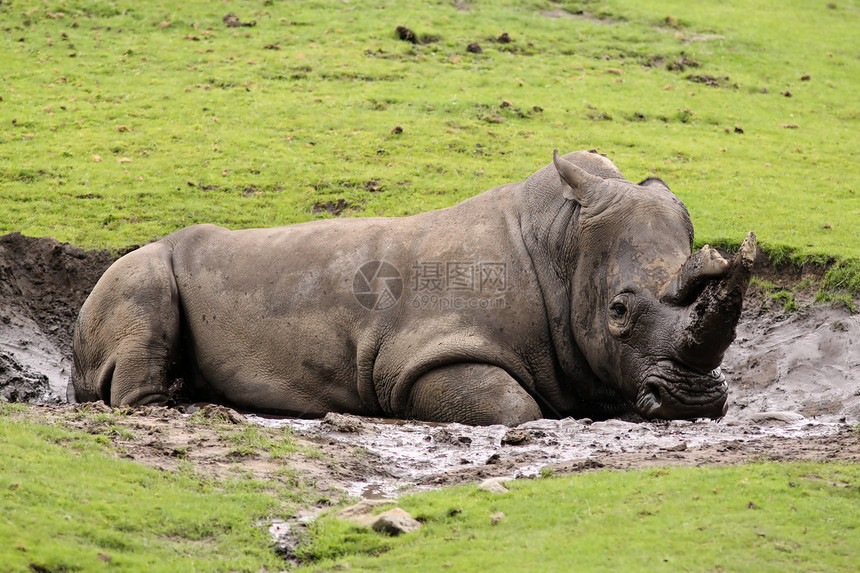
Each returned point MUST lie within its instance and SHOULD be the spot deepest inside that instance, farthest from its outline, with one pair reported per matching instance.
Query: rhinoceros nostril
(655, 393)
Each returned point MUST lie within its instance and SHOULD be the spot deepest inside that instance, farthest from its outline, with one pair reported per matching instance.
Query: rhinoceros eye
(617, 309)
(619, 319)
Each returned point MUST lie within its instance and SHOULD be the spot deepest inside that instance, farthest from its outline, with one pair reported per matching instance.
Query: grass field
(766, 517)
(68, 503)
(121, 123)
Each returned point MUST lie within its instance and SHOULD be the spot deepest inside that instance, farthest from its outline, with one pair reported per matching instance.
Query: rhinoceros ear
(581, 185)
(653, 181)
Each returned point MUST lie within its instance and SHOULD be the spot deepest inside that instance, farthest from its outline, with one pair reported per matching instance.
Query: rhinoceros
(572, 293)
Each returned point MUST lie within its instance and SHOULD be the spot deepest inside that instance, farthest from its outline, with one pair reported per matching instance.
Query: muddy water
(417, 454)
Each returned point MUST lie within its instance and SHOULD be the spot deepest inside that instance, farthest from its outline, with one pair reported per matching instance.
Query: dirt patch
(333, 208)
(407, 35)
(715, 82)
(580, 14)
(794, 395)
(233, 21)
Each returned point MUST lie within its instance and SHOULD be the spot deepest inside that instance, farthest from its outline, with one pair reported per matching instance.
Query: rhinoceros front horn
(714, 313)
(704, 265)
(582, 184)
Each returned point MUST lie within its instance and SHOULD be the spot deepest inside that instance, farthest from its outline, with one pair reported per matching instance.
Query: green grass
(775, 296)
(66, 505)
(762, 517)
(251, 440)
(252, 126)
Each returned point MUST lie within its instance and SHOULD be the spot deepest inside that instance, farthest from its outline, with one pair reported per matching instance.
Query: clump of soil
(407, 35)
(20, 384)
(709, 80)
(334, 208)
(232, 21)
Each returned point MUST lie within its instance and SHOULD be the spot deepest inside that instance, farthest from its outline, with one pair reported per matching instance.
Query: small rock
(777, 417)
(494, 485)
(394, 522)
(493, 459)
(362, 512)
(474, 48)
(515, 437)
(505, 38)
(219, 412)
(93, 407)
(342, 423)
(681, 447)
(496, 518)
(443, 436)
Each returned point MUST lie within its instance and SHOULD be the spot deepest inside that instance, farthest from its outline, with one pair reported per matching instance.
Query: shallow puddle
(416, 455)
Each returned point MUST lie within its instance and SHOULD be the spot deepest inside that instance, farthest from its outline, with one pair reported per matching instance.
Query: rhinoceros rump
(573, 293)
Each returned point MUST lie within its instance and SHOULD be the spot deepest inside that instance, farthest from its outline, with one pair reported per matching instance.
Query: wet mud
(794, 395)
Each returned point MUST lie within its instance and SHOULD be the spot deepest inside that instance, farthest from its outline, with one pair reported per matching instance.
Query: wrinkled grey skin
(605, 311)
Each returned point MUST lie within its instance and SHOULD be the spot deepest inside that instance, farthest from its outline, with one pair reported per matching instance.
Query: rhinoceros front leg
(475, 394)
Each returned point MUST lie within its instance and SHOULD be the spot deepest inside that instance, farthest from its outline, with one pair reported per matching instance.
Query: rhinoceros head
(652, 319)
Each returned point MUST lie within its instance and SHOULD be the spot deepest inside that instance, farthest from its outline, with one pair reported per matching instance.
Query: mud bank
(794, 394)
(43, 284)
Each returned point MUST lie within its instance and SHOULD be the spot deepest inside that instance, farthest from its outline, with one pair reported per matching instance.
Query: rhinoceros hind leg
(127, 334)
(476, 394)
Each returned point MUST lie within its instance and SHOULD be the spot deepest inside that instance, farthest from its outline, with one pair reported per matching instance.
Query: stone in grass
(494, 485)
(362, 512)
(391, 522)
(394, 522)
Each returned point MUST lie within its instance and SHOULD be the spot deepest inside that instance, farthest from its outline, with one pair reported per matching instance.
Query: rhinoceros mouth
(676, 393)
